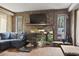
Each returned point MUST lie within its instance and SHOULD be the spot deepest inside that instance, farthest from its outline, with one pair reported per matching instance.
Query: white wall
(77, 28)
(72, 26)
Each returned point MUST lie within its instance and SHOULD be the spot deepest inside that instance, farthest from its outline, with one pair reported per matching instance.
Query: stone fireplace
(49, 20)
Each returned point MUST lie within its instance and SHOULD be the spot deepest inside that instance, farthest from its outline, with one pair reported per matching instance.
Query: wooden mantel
(38, 24)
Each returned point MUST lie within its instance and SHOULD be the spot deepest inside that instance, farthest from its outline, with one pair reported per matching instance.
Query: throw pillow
(13, 35)
(20, 36)
(5, 35)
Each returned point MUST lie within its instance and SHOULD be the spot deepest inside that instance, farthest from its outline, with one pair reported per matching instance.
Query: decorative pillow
(5, 35)
(13, 35)
(20, 36)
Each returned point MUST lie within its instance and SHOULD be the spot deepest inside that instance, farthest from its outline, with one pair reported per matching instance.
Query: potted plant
(41, 41)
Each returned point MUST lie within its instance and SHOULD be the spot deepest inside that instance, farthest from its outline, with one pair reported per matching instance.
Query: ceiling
(21, 7)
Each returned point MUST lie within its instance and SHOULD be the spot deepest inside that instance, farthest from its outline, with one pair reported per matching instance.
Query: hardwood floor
(46, 51)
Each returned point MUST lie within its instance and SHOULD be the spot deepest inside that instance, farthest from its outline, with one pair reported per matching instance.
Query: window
(3, 22)
(61, 26)
(19, 24)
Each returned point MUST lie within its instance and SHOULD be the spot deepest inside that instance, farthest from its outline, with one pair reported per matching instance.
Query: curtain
(3, 22)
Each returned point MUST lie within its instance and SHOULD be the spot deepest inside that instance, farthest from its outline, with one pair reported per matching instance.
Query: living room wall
(51, 19)
(72, 16)
(77, 28)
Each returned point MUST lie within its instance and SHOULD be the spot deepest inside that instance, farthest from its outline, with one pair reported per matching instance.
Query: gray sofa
(11, 40)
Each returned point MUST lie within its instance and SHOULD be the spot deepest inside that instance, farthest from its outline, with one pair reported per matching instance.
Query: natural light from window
(3, 22)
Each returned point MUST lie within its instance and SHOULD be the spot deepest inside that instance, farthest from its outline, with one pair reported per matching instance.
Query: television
(38, 19)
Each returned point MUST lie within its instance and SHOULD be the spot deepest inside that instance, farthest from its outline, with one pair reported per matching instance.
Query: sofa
(11, 40)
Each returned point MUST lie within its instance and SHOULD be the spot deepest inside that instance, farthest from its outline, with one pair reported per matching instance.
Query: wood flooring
(46, 51)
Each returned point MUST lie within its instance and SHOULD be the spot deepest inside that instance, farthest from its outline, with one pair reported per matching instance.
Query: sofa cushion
(9, 40)
(17, 43)
(15, 40)
(13, 35)
(5, 35)
(20, 36)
